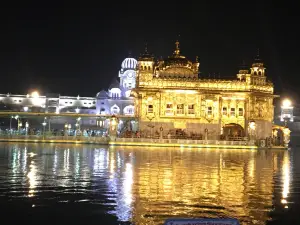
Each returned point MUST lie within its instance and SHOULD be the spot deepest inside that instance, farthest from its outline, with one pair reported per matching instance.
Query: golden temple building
(169, 95)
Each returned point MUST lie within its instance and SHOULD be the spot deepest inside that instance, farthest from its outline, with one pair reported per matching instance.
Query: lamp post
(78, 125)
(286, 111)
(44, 125)
(27, 126)
(69, 128)
(10, 123)
(66, 129)
(19, 124)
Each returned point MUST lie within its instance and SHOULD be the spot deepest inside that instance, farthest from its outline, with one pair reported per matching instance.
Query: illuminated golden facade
(170, 95)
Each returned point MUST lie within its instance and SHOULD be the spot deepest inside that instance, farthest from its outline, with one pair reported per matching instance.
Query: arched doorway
(280, 135)
(233, 131)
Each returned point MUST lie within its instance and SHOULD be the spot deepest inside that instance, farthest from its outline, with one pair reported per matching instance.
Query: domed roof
(129, 63)
(177, 58)
(115, 84)
(102, 94)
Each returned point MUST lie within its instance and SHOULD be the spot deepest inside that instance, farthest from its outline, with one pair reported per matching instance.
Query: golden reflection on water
(149, 185)
(205, 183)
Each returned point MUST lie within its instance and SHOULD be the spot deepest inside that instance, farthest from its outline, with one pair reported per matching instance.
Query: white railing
(185, 141)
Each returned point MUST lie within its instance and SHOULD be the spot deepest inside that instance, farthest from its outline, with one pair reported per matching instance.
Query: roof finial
(177, 50)
(257, 58)
(146, 47)
(129, 53)
(197, 59)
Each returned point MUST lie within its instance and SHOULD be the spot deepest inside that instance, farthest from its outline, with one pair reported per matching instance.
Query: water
(84, 184)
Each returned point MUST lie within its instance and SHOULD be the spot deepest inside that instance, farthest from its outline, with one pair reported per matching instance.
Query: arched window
(102, 111)
(128, 110)
(259, 73)
(115, 109)
(115, 93)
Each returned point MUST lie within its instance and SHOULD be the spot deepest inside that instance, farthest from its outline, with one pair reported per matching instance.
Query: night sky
(78, 49)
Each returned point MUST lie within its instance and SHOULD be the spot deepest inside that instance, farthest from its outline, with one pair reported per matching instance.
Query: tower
(243, 74)
(145, 67)
(257, 71)
(127, 75)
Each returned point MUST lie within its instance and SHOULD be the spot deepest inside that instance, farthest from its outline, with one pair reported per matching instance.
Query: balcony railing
(187, 141)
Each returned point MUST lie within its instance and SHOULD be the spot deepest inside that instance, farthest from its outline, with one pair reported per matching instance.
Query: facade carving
(171, 95)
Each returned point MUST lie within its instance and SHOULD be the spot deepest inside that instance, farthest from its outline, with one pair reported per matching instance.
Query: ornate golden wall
(170, 94)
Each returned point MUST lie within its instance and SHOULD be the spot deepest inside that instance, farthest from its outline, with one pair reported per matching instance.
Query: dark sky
(75, 49)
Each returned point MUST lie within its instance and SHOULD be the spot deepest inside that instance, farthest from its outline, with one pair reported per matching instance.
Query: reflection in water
(32, 179)
(146, 186)
(286, 179)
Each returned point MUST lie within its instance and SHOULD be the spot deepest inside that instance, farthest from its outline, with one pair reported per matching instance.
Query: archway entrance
(280, 135)
(233, 131)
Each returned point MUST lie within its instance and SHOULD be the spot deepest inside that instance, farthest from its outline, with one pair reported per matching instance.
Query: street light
(286, 103)
(19, 124)
(26, 126)
(35, 94)
(25, 108)
(287, 111)
(78, 123)
(77, 110)
(44, 125)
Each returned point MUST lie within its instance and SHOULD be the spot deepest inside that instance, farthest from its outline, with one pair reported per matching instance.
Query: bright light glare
(35, 94)
(286, 103)
(252, 125)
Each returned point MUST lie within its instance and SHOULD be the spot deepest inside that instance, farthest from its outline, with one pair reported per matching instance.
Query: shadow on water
(84, 184)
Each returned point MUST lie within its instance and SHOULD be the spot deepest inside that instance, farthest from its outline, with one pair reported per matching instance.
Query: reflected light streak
(99, 160)
(123, 209)
(15, 161)
(118, 160)
(285, 177)
(77, 164)
(251, 167)
(112, 166)
(66, 159)
(128, 184)
(55, 161)
(24, 159)
(32, 179)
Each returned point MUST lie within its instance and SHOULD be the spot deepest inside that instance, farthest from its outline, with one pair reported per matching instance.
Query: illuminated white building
(116, 100)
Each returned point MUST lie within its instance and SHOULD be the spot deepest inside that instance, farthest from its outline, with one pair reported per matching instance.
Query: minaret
(145, 66)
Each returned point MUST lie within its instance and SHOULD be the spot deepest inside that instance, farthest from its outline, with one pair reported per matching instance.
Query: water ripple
(147, 186)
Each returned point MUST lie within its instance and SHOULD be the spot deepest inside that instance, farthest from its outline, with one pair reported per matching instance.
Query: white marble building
(114, 101)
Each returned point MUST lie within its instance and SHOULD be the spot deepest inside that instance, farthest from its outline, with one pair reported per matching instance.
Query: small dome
(129, 63)
(114, 84)
(102, 94)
